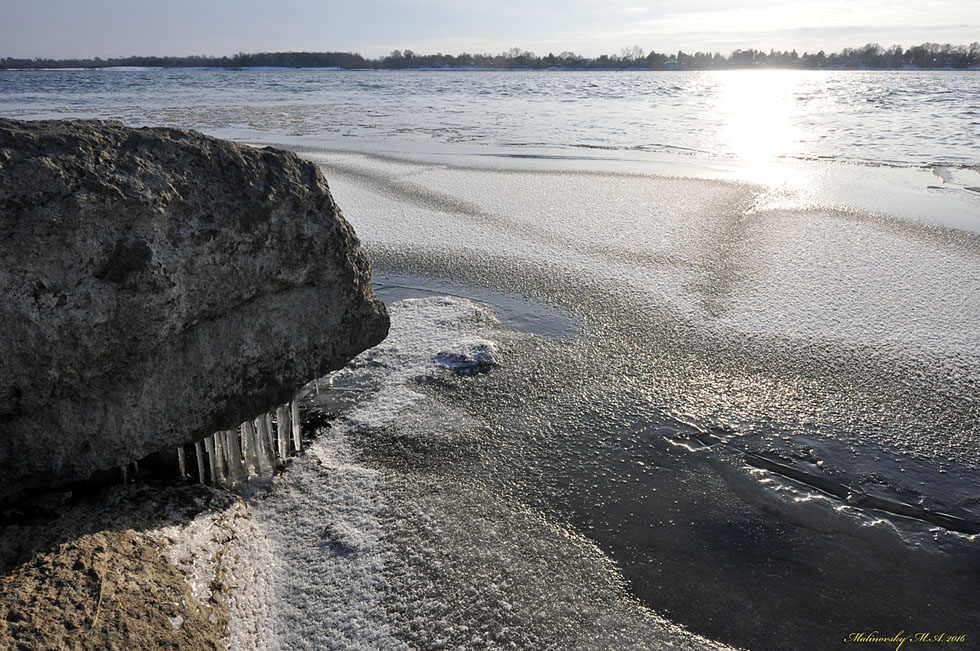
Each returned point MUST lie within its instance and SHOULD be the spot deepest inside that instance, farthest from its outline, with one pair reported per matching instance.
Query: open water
(736, 375)
(897, 117)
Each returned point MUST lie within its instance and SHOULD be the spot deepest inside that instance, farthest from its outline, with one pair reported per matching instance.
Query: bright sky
(108, 28)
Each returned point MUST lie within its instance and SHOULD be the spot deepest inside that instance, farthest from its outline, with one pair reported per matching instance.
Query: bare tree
(632, 53)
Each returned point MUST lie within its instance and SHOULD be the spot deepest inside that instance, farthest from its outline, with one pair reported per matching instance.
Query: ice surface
(320, 520)
(427, 336)
(470, 570)
(333, 553)
(838, 345)
(731, 255)
(831, 317)
(321, 516)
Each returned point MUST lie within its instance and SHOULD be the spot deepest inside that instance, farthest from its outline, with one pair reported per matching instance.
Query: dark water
(514, 311)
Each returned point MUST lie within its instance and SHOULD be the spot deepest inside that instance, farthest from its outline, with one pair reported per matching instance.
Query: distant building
(672, 63)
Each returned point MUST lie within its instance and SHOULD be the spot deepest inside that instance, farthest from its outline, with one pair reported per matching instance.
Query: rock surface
(106, 590)
(96, 573)
(158, 285)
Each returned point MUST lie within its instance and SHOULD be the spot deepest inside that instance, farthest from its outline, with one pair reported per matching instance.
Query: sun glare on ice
(758, 112)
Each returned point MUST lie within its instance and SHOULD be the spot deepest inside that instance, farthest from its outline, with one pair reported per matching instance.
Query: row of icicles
(256, 448)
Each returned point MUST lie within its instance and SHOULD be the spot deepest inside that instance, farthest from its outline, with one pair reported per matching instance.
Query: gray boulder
(158, 285)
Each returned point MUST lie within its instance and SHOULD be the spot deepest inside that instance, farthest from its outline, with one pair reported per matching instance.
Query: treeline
(262, 60)
(927, 55)
(871, 56)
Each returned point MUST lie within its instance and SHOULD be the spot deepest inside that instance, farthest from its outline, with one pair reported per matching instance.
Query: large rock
(158, 285)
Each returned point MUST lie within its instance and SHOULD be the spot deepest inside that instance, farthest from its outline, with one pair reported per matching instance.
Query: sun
(758, 112)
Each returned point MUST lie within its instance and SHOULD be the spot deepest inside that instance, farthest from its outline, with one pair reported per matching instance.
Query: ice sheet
(798, 260)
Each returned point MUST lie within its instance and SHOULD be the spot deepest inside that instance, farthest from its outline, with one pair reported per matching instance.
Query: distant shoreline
(927, 56)
(470, 69)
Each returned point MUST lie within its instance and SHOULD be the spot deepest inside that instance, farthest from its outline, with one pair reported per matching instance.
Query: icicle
(265, 431)
(125, 475)
(282, 425)
(182, 462)
(297, 426)
(221, 456)
(261, 436)
(243, 438)
(258, 460)
(236, 471)
(209, 444)
(199, 449)
(246, 432)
